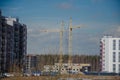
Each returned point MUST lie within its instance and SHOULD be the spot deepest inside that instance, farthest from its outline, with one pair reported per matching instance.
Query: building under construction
(31, 63)
(66, 68)
(13, 43)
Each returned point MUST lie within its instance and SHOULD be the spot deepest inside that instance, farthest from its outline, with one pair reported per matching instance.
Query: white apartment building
(110, 54)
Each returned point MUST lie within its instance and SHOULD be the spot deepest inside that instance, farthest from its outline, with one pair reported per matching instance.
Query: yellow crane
(61, 42)
(70, 41)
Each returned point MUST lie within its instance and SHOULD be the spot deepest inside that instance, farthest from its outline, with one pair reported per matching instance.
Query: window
(114, 67)
(119, 44)
(119, 56)
(114, 57)
(119, 68)
(114, 44)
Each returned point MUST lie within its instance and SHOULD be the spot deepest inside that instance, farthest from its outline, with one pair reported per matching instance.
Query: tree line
(50, 59)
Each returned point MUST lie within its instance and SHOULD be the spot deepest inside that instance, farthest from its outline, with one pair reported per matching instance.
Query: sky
(96, 18)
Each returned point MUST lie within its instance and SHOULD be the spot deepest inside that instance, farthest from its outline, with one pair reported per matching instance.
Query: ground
(79, 77)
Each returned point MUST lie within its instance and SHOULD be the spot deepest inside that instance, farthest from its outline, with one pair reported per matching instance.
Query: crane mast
(70, 42)
(61, 46)
(61, 42)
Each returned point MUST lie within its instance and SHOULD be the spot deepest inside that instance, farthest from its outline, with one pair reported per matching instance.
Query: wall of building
(31, 63)
(13, 44)
(110, 54)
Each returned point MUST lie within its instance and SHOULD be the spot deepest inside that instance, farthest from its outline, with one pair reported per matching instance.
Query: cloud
(42, 32)
(95, 1)
(15, 8)
(113, 31)
(94, 39)
(32, 33)
(118, 29)
(12, 8)
(42, 40)
(65, 6)
(30, 30)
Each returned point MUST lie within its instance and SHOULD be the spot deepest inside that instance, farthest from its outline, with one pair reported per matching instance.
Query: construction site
(61, 68)
(59, 39)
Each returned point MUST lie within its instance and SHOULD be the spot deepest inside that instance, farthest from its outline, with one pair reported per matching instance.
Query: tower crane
(70, 41)
(61, 42)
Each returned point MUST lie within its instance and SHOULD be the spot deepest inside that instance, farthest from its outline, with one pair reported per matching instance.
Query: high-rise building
(110, 54)
(13, 44)
(32, 63)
